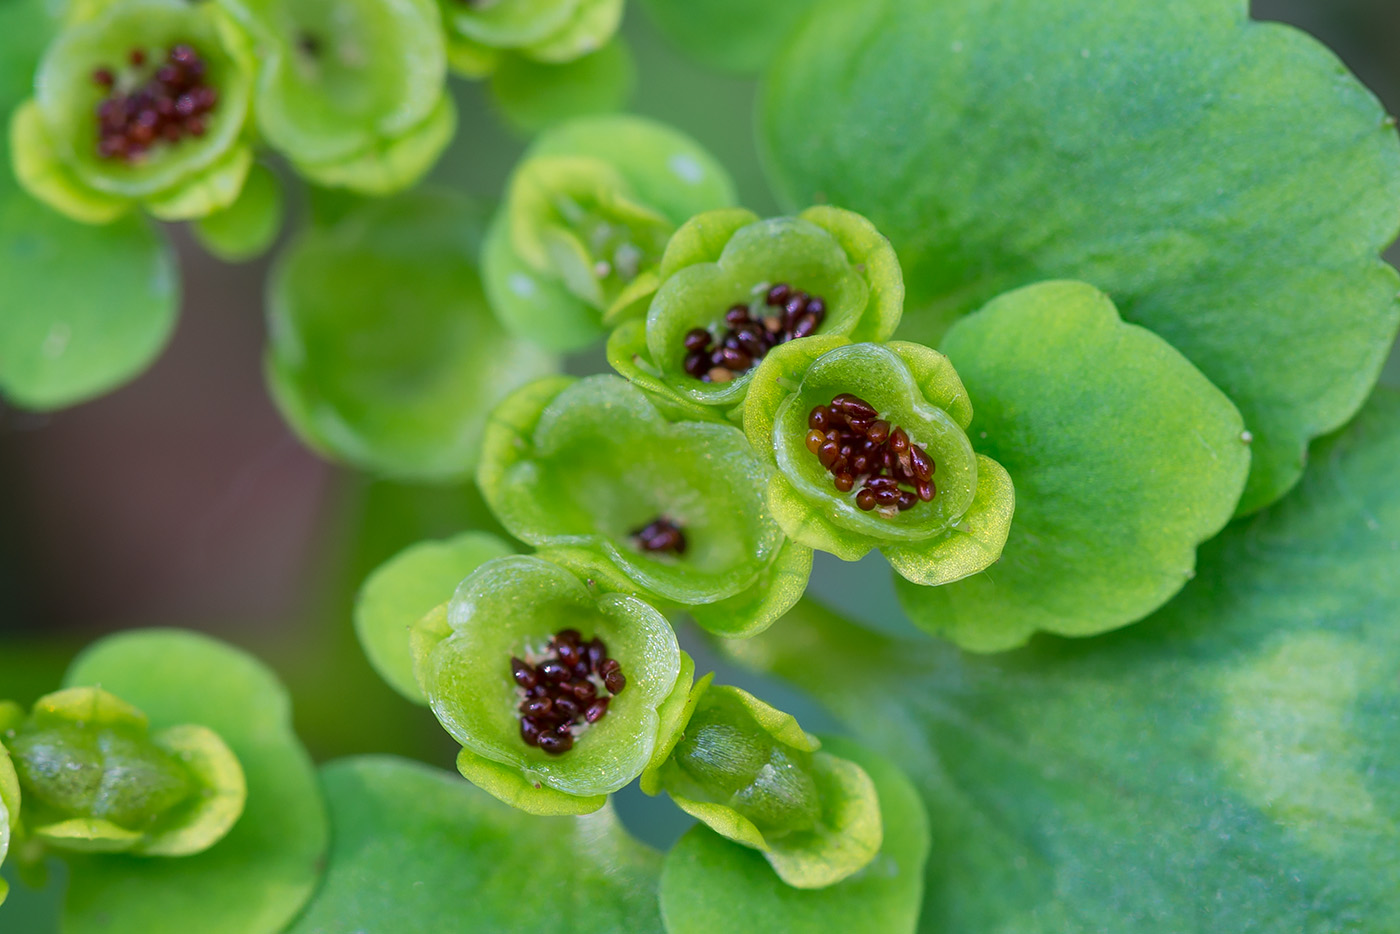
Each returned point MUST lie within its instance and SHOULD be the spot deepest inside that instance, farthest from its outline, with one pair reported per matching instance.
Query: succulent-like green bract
(352, 92)
(752, 774)
(105, 132)
(826, 265)
(95, 779)
(675, 509)
(959, 531)
(508, 611)
(480, 32)
(585, 222)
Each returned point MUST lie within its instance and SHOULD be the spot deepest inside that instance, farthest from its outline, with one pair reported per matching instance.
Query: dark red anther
(137, 57)
(537, 707)
(523, 674)
(697, 339)
(103, 77)
(583, 689)
(844, 482)
(596, 709)
(806, 326)
(736, 315)
(923, 465)
(529, 731)
(899, 441)
(556, 743)
(597, 653)
(860, 448)
(779, 293)
(865, 499)
(567, 707)
(553, 671)
(819, 418)
(614, 681)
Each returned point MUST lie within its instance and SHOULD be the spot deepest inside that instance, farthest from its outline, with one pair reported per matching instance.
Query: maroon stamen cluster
(660, 535)
(561, 690)
(174, 102)
(747, 340)
(855, 444)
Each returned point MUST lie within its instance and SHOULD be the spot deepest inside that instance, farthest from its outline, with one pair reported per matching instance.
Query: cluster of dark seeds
(745, 341)
(174, 102)
(660, 535)
(855, 444)
(561, 690)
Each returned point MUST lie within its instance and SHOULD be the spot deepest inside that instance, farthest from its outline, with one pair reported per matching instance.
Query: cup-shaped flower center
(564, 689)
(857, 446)
(152, 101)
(777, 315)
(660, 535)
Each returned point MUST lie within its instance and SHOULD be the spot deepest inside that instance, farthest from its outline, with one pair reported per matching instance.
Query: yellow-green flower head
(93, 778)
(142, 103)
(480, 32)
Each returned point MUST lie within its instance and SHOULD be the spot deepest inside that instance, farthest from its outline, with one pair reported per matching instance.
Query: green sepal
(751, 611)
(209, 191)
(391, 164)
(590, 27)
(508, 25)
(510, 607)
(957, 534)
(639, 169)
(100, 782)
(726, 258)
(66, 98)
(246, 228)
(46, 177)
(1126, 458)
(407, 587)
(809, 844)
(511, 786)
(585, 464)
(627, 355)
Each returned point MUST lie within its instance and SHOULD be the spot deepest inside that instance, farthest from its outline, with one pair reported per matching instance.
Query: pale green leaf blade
(1226, 181)
(1230, 764)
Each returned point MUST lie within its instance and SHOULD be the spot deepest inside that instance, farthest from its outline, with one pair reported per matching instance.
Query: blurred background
(183, 500)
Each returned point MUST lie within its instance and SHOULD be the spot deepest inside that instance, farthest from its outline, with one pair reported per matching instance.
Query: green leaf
(533, 95)
(730, 35)
(65, 338)
(1230, 764)
(1225, 180)
(1125, 459)
(404, 589)
(418, 851)
(383, 352)
(709, 884)
(258, 877)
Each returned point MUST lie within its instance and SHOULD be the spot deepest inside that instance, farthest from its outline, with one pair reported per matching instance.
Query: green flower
(94, 779)
(667, 511)
(484, 656)
(143, 102)
(351, 91)
(957, 529)
(825, 271)
(586, 219)
(554, 31)
(752, 774)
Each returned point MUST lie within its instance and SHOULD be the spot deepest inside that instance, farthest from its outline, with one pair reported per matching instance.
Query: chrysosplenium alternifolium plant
(920, 358)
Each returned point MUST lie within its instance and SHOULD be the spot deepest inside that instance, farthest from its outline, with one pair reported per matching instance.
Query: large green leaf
(84, 308)
(1226, 181)
(1124, 456)
(255, 879)
(711, 884)
(383, 351)
(1231, 764)
(419, 851)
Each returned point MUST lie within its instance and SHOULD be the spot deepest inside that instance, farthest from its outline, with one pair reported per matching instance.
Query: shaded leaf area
(1226, 181)
(417, 850)
(1230, 764)
(256, 879)
(533, 95)
(383, 351)
(730, 35)
(85, 308)
(711, 884)
(1124, 456)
